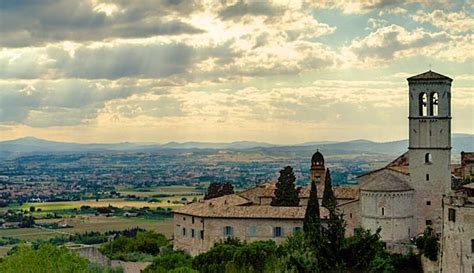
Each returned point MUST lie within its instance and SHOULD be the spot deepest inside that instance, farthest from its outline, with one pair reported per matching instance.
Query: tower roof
(317, 158)
(429, 75)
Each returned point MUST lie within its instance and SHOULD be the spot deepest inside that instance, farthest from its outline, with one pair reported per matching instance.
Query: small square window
(428, 203)
(252, 231)
(428, 222)
(184, 218)
(277, 232)
(228, 231)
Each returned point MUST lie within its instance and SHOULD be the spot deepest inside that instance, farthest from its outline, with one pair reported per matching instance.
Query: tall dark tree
(312, 219)
(333, 234)
(218, 189)
(286, 195)
(329, 200)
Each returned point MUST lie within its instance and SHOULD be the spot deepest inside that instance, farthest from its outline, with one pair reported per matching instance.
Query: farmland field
(85, 223)
(172, 191)
(120, 203)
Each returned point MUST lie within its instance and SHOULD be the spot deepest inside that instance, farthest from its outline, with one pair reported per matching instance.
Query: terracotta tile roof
(469, 186)
(340, 192)
(225, 209)
(268, 190)
(467, 157)
(429, 75)
(384, 180)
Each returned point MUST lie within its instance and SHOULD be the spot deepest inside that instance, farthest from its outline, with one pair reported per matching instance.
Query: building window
(178, 229)
(296, 229)
(428, 158)
(277, 231)
(472, 245)
(434, 104)
(427, 177)
(383, 211)
(192, 220)
(428, 203)
(452, 215)
(350, 215)
(184, 218)
(252, 231)
(428, 222)
(423, 104)
(318, 179)
(201, 234)
(184, 231)
(228, 231)
(192, 233)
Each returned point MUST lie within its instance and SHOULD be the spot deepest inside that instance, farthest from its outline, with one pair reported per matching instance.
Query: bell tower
(318, 170)
(429, 145)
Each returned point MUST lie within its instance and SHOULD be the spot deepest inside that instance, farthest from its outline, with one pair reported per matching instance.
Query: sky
(283, 71)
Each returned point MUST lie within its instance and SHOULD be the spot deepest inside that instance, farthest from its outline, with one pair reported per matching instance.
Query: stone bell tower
(318, 170)
(429, 145)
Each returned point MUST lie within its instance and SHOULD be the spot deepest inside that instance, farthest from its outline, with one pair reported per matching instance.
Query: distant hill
(13, 148)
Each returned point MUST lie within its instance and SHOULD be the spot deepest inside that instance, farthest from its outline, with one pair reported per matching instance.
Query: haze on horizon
(283, 72)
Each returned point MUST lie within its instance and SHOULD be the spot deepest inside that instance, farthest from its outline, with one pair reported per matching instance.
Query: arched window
(428, 158)
(423, 104)
(434, 104)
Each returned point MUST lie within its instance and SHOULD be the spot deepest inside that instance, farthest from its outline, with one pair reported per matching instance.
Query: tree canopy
(218, 189)
(286, 195)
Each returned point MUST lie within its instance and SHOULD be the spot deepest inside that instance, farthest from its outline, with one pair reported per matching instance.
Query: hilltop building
(249, 216)
(403, 198)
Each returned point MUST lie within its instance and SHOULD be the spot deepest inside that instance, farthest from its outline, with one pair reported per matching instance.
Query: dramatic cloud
(27, 23)
(454, 22)
(277, 71)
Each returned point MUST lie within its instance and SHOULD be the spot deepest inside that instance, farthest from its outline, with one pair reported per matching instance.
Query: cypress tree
(312, 220)
(286, 195)
(329, 200)
(334, 233)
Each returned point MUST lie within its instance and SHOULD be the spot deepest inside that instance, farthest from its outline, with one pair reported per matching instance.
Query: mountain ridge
(27, 145)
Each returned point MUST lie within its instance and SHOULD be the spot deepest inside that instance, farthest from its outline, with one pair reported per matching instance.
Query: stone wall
(392, 211)
(457, 252)
(214, 231)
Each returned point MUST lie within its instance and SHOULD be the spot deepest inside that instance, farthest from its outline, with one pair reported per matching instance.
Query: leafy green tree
(312, 220)
(298, 255)
(170, 261)
(286, 195)
(130, 248)
(45, 259)
(428, 244)
(360, 249)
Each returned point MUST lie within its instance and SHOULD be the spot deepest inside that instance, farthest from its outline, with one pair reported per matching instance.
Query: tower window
(427, 177)
(383, 211)
(428, 158)
(423, 104)
(428, 203)
(434, 104)
(452, 215)
(318, 179)
(428, 222)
